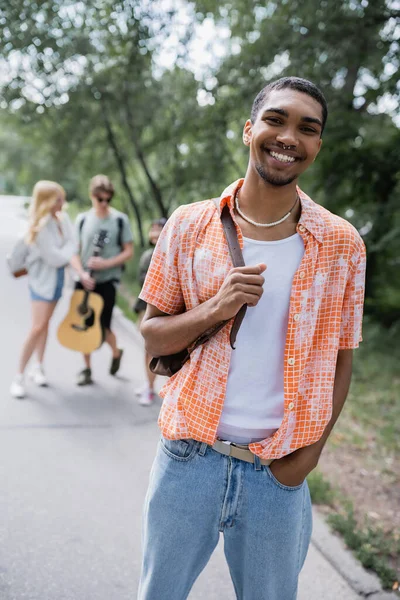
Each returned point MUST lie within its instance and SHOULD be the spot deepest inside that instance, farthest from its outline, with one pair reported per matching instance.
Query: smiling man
(242, 429)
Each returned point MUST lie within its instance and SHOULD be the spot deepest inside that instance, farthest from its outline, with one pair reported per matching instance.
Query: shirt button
(302, 228)
(302, 275)
(296, 317)
(291, 406)
(291, 361)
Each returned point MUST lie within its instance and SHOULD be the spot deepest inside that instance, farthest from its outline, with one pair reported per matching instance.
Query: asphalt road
(74, 466)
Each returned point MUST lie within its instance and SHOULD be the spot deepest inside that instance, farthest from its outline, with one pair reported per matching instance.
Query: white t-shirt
(254, 399)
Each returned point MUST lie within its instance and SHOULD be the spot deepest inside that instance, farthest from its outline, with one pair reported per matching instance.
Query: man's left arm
(292, 469)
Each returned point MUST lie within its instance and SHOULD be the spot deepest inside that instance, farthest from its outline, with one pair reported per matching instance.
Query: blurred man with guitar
(101, 274)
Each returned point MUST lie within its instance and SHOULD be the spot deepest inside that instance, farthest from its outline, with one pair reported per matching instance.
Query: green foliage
(82, 94)
(349, 49)
(320, 489)
(126, 308)
(374, 548)
(130, 277)
(372, 409)
(369, 424)
(368, 427)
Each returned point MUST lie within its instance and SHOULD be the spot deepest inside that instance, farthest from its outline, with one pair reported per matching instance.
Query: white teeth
(282, 157)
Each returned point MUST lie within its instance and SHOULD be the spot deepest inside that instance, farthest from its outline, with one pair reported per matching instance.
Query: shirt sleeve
(353, 302)
(127, 235)
(162, 286)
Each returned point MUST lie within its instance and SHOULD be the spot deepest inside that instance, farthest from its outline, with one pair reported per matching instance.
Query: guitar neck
(96, 252)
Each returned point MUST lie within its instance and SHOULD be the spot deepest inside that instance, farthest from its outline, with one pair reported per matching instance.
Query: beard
(276, 180)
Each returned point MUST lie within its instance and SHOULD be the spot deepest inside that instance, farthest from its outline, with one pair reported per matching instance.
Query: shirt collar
(311, 213)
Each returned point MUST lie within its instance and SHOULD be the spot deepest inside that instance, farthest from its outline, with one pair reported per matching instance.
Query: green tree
(350, 49)
(83, 96)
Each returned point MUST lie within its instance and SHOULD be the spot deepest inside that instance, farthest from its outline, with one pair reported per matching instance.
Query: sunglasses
(101, 200)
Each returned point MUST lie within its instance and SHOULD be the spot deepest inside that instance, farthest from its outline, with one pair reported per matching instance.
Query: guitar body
(81, 328)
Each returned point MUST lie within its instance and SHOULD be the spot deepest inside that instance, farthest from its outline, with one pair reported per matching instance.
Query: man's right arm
(167, 334)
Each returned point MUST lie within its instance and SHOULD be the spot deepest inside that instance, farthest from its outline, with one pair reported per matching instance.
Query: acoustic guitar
(81, 329)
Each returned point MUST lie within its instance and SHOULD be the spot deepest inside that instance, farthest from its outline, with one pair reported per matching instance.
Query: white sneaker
(141, 390)
(146, 397)
(38, 377)
(17, 389)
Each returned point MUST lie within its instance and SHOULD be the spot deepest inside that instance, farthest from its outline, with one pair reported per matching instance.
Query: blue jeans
(194, 495)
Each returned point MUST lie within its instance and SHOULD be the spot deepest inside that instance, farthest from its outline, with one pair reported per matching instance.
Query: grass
(372, 407)
(374, 548)
(372, 411)
(369, 424)
(320, 489)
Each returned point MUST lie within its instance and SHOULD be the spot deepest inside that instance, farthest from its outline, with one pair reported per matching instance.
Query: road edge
(365, 583)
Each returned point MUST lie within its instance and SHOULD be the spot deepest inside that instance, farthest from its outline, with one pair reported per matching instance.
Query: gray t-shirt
(92, 224)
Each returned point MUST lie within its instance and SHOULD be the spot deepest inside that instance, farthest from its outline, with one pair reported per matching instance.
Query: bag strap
(81, 223)
(231, 236)
(238, 261)
(120, 229)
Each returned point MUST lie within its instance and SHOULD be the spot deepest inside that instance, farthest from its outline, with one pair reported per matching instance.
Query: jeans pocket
(181, 450)
(282, 485)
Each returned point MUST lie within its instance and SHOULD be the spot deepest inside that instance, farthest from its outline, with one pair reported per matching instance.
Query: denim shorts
(58, 291)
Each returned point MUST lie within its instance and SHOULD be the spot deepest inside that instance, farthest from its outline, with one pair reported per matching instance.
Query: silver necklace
(262, 224)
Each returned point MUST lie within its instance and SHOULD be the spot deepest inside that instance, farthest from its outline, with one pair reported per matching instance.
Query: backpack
(17, 259)
(120, 228)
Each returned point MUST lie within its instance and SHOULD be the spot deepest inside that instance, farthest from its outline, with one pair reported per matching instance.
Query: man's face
(285, 138)
(101, 201)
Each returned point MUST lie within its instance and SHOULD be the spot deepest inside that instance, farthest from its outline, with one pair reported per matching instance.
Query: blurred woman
(146, 395)
(51, 243)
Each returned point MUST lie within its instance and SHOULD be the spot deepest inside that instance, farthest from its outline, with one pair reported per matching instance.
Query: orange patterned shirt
(189, 265)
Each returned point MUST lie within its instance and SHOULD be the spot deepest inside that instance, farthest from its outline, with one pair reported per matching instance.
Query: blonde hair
(44, 196)
(101, 183)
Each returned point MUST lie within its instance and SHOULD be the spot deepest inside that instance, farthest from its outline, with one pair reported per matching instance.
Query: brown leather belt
(238, 451)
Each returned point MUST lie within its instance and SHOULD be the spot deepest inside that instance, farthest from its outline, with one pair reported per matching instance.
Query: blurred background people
(102, 274)
(51, 242)
(147, 394)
